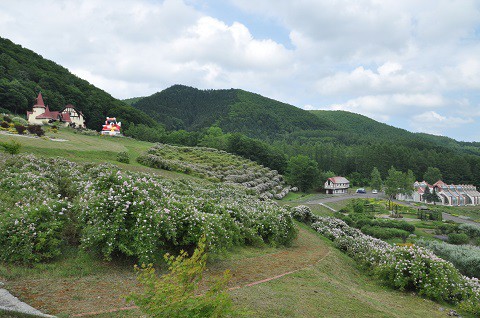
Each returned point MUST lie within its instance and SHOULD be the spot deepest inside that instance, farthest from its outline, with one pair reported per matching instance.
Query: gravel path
(12, 303)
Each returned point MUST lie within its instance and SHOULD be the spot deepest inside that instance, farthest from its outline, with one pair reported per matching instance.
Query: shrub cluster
(36, 130)
(12, 147)
(379, 228)
(217, 165)
(303, 213)
(406, 268)
(124, 213)
(384, 232)
(458, 238)
(20, 129)
(466, 257)
(123, 157)
(472, 230)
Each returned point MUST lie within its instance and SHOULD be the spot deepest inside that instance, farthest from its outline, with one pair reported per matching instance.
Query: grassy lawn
(77, 147)
(96, 149)
(333, 287)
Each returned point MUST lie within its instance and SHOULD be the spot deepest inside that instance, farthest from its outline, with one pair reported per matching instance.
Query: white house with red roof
(40, 114)
(448, 194)
(336, 185)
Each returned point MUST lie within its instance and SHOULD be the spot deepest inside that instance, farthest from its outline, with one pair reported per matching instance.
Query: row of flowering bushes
(410, 268)
(217, 165)
(48, 203)
(465, 257)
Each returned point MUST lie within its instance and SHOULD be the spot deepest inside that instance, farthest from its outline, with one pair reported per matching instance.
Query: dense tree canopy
(432, 175)
(302, 172)
(23, 74)
(376, 179)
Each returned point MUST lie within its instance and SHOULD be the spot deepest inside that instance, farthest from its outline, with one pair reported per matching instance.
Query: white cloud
(127, 46)
(433, 123)
(384, 107)
(390, 77)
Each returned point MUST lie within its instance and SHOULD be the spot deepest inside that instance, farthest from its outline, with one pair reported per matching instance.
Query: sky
(411, 64)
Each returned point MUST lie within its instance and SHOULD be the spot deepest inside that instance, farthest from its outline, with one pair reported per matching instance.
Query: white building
(336, 185)
(41, 114)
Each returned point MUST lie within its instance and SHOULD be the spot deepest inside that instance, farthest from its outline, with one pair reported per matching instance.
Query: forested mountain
(23, 74)
(233, 110)
(345, 143)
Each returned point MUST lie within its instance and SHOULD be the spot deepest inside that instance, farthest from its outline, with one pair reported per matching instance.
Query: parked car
(361, 190)
(375, 191)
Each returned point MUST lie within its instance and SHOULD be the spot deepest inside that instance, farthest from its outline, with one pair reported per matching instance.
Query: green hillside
(234, 110)
(326, 282)
(23, 74)
(364, 129)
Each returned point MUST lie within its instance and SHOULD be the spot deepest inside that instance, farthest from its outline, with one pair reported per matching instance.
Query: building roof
(48, 114)
(64, 111)
(39, 101)
(439, 183)
(66, 117)
(339, 180)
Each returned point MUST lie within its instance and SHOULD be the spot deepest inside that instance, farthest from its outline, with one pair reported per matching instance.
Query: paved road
(447, 216)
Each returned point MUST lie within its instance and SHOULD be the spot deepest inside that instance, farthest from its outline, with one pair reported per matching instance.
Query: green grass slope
(23, 74)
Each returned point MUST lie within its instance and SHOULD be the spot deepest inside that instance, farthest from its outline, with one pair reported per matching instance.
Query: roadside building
(336, 185)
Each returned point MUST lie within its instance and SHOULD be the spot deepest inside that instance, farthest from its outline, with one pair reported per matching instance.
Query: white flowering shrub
(215, 165)
(32, 234)
(404, 267)
(302, 213)
(46, 202)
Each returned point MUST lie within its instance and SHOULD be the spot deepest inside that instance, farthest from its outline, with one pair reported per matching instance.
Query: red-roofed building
(41, 114)
(336, 185)
(448, 194)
